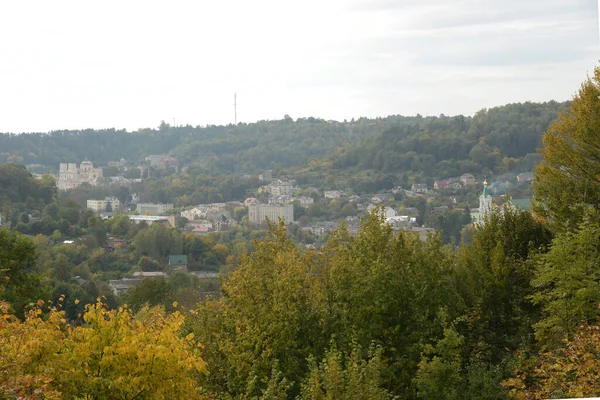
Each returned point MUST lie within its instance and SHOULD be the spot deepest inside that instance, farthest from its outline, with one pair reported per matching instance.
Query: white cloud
(73, 64)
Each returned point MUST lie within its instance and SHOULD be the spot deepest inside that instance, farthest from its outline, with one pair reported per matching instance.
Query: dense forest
(513, 312)
(495, 140)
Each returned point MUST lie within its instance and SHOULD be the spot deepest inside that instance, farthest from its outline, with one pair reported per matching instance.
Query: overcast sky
(130, 64)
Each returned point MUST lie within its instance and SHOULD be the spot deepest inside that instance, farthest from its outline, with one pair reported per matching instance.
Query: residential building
(251, 200)
(467, 179)
(419, 188)
(334, 194)
(305, 201)
(282, 188)
(154, 160)
(205, 274)
(398, 221)
(440, 184)
(202, 230)
(109, 204)
(153, 209)
(258, 213)
(151, 219)
(149, 274)
(525, 177)
(382, 197)
(178, 262)
(388, 212)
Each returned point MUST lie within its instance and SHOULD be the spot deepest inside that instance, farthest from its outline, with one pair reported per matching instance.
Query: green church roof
(178, 260)
(522, 204)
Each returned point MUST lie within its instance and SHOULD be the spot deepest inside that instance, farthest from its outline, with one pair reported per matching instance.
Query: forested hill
(498, 140)
(432, 145)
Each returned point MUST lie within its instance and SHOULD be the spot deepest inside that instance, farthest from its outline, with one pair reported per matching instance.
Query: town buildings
(258, 213)
(109, 204)
(70, 176)
(152, 208)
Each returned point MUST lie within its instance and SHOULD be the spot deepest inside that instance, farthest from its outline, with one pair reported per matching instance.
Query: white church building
(485, 206)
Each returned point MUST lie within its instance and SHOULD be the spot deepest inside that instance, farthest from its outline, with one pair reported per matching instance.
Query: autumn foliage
(112, 355)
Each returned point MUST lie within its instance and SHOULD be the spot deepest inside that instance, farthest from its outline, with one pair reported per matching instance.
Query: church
(485, 206)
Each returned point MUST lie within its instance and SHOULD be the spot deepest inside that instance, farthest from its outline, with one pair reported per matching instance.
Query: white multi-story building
(152, 209)
(102, 205)
(258, 213)
(70, 176)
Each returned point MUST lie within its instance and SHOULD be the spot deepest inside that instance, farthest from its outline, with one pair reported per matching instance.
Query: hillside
(502, 138)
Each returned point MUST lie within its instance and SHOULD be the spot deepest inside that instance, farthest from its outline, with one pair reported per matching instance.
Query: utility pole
(235, 108)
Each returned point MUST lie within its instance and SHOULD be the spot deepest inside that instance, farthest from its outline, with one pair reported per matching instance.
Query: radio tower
(235, 108)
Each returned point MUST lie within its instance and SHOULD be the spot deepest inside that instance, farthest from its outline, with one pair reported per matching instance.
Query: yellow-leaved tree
(113, 355)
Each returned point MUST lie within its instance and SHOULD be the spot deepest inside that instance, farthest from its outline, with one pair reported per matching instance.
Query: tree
(112, 355)
(567, 281)
(494, 277)
(439, 374)
(18, 285)
(346, 376)
(150, 291)
(570, 371)
(568, 178)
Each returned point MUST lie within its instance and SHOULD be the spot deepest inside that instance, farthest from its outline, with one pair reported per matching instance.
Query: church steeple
(485, 191)
(485, 202)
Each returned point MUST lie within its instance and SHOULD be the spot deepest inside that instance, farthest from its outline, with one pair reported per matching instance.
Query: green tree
(18, 285)
(567, 281)
(568, 178)
(150, 291)
(494, 276)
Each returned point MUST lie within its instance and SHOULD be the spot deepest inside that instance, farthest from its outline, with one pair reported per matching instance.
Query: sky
(130, 64)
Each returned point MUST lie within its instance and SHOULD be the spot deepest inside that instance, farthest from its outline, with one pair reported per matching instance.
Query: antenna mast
(235, 108)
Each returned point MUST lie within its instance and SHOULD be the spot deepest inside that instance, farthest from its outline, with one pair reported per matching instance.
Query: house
(120, 286)
(202, 230)
(199, 223)
(153, 209)
(354, 199)
(500, 187)
(305, 201)
(149, 274)
(467, 179)
(115, 243)
(150, 219)
(333, 194)
(382, 197)
(109, 204)
(440, 184)
(419, 188)
(388, 212)
(525, 177)
(251, 200)
(398, 221)
(205, 274)
(119, 181)
(178, 263)
(453, 186)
